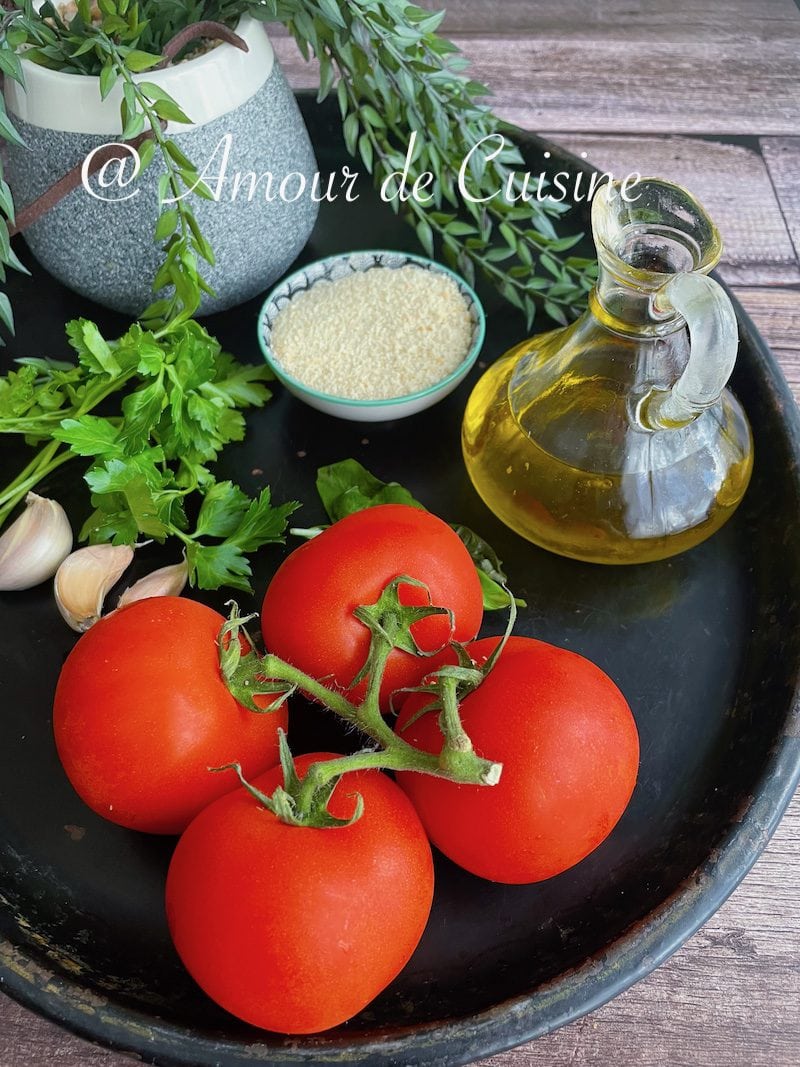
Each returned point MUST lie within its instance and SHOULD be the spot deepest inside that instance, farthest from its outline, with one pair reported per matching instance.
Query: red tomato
(570, 753)
(288, 928)
(141, 712)
(308, 618)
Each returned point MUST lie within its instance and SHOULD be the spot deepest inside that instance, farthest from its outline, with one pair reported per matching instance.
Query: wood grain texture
(595, 17)
(622, 67)
(730, 180)
(776, 313)
(782, 157)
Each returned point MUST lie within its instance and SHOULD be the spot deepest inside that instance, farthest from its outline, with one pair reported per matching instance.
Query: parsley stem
(38, 463)
(37, 424)
(47, 461)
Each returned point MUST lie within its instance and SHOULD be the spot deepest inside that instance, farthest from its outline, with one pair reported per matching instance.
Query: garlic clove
(166, 581)
(83, 580)
(34, 545)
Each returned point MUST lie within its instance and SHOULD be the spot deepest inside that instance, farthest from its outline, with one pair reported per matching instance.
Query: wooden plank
(730, 180)
(782, 157)
(716, 17)
(29, 1041)
(627, 83)
(734, 986)
(738, 77)
(776, 312)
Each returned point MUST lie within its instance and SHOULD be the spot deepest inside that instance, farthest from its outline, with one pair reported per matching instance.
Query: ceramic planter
(104, 249)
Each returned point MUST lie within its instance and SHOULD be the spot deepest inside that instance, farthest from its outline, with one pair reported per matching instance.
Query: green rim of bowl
(463, 367)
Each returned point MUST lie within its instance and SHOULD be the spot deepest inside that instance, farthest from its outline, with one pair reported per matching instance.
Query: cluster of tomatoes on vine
(513, 757)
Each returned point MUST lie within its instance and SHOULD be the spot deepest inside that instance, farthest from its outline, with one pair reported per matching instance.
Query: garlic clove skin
(34, 545)
(84, 579)
(166, 581)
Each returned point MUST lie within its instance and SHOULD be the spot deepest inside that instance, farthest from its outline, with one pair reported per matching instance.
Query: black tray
(706, 647)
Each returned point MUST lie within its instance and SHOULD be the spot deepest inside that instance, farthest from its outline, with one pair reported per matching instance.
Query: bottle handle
(713, 343)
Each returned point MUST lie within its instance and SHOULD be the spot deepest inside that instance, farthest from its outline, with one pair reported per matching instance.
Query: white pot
(104, 248)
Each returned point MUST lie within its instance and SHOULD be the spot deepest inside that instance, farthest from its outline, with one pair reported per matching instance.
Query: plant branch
(397, 76)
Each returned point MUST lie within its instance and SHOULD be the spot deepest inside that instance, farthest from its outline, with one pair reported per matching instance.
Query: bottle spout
(714, 340)
(644, 237)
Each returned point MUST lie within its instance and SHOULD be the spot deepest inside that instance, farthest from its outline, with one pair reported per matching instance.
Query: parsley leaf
(262, 523)
(94, 352)
(211, 566)
(183, 403)
(223, 508)
(246, 526)
(90, 436)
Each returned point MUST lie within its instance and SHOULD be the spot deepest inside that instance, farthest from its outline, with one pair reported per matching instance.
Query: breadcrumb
(374, 334)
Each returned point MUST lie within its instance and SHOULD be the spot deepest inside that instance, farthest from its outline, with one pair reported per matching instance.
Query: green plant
(393, 76)
(109, 45)
(181, 403)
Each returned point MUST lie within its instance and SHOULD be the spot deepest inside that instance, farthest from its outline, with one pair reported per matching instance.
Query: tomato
(570, 753)
(141, 712)
(296, 929)
(307, 617)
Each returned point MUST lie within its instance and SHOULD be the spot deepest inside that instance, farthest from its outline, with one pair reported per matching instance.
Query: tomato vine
(251, 676)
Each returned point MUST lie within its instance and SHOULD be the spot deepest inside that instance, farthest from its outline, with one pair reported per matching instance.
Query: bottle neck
(623, 305)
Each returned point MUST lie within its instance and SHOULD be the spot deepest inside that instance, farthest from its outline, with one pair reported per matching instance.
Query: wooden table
(706, 92)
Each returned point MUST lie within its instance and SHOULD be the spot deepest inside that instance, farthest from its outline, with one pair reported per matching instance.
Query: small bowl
(339, 266)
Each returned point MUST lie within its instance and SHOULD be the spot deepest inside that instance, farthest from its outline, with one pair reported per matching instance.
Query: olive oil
(615, 440)
(667, 497)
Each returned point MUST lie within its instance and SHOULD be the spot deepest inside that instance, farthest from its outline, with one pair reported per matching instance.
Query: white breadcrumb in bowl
(375, 334)
(372, 335)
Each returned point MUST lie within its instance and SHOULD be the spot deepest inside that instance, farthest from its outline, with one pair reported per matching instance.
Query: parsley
(183, 402)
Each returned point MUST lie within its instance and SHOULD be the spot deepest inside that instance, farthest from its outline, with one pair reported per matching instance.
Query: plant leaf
(138, 61)
(347, 487)
(224, 505)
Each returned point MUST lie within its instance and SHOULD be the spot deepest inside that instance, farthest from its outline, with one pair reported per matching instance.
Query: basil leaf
(348, 487)
(484, 556)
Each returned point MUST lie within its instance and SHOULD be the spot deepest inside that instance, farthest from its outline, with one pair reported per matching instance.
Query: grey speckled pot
(105, 250)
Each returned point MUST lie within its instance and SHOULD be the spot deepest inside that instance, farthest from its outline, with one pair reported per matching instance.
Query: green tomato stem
(304, 802)
(273, 667)
(456, 739)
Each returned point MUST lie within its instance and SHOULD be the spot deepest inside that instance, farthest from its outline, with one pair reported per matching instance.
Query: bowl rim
(465, 365)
